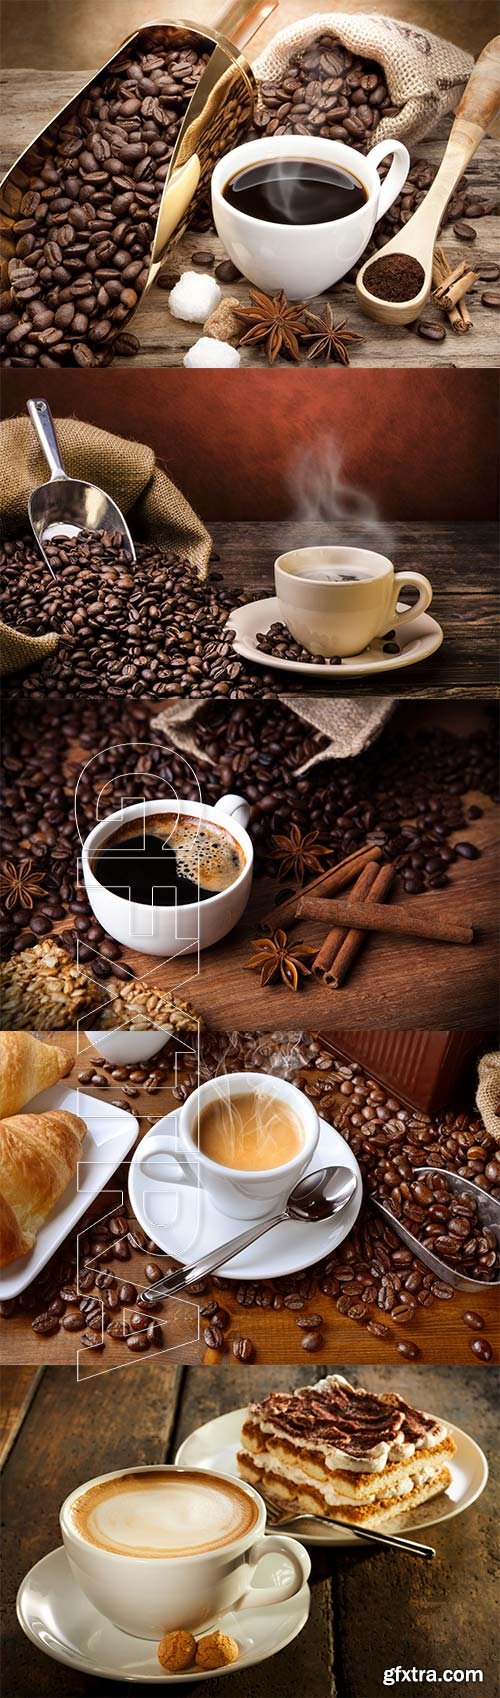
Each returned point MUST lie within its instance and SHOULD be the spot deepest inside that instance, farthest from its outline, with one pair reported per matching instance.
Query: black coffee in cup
(331, 574)
(165, 859)
(295, 191)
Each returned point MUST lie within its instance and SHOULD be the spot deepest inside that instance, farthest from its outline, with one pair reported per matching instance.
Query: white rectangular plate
(111, 1132)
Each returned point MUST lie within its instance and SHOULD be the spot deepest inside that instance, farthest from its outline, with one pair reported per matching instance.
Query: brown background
(422, 451)
(65, 34)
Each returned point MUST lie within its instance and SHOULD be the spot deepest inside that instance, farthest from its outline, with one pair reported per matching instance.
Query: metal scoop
(317, 1197)
(489, 1214)
(65, 506)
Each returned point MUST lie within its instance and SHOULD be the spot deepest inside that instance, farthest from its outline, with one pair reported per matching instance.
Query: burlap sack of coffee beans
(488, 1093)
(425, 75)
(349, 726)
(129, 473)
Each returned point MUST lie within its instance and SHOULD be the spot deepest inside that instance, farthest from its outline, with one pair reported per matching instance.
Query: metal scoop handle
(41, 419)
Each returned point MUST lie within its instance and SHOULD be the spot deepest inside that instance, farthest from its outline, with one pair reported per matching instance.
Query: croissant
(38, 1157)
(27, 1067)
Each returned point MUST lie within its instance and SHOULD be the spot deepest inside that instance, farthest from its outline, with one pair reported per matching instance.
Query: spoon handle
(41, 419)
(184, 1277)
(372, 1535)
(480, 101)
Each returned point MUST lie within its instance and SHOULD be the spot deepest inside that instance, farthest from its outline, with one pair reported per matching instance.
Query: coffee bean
(138, 1341)
(465, 232)
(243, 1349)
(473, 1320)
(154, 1333)
(431, 330)
(312, 1340)
(203, 257)
(481, 1348)
(488, 271)
(491, 298)
(127, 1292)
(91, 1341)
(74, 1322)
(408, 1350)
(213, 1337)
(309, 1322)
(45, 1324)
(226, 272)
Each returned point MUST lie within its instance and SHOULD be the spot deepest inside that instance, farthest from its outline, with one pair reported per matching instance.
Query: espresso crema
(155, 1514)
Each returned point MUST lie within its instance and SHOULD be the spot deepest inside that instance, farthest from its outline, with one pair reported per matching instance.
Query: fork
(277, 1519)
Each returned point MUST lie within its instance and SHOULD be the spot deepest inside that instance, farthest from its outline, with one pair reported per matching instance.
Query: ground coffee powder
(394, 277)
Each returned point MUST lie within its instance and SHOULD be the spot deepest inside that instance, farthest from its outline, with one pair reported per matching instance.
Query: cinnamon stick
(333, 940)
(354, 940)
(397, 921)
(448, 296)
(329, 882)
(459, 316)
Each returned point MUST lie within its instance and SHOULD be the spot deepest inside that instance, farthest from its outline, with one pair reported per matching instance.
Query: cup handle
(159, 1144)
(424, 598)
(234, 807)
(397, 174)
(258, 1596)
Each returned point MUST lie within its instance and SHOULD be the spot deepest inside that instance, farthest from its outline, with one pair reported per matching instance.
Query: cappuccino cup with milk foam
(160, 1548)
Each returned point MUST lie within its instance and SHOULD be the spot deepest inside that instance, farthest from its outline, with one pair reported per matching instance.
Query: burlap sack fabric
(350, 726)
(425, 75)
(130, 474)
(488, 1093)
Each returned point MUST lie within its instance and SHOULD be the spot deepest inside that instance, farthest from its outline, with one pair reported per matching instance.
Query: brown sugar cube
(177, 1650)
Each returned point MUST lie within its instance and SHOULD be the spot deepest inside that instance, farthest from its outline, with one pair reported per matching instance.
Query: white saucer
(416, 640)
(110, 1135)
(185, 1223)
(215, 1445)
(55, 1614)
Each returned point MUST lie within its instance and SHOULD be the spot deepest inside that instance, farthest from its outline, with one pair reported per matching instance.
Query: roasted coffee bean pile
(277, 641)
(82, 209)
(153, 627)
(326, 91)
(446, 1222)
(405, 794)
(81, 1291)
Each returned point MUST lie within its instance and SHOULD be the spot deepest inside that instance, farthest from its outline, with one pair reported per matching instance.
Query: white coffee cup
(341, 618)
(148, 1596)
(243, 1195)
(305, 259)
(176, 930)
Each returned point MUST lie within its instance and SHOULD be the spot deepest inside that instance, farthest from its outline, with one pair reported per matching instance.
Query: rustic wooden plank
(165, 340)
(70, 1434)
(19, 1386)
(421, 1614)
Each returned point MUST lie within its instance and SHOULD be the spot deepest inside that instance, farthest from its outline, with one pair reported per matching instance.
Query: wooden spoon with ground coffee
(394, 287)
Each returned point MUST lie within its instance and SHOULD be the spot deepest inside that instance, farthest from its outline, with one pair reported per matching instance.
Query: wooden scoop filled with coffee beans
(394, 287)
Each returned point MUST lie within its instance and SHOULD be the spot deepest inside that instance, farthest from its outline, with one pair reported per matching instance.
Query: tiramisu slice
(331, 1449)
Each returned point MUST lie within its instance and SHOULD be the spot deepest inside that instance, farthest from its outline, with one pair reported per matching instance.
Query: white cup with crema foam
(160, 1548)
(168, 928)
(247, 1156)
(335, 601)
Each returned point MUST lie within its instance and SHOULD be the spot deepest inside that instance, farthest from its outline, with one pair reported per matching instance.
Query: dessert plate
(185, 1224)
(416, 641)
(55, 1614)
(110, 1135)
(215, 1445)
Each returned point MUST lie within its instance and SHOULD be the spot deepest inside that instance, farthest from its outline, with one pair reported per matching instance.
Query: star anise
(328, 340)
(276, 958)
(273, 320)
(20, 885)
(298, 854)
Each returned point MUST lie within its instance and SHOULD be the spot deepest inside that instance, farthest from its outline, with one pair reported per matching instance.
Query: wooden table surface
(461, 562)
(439, 1331)
(164, 339)
(371, 1610)
(393, 981)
